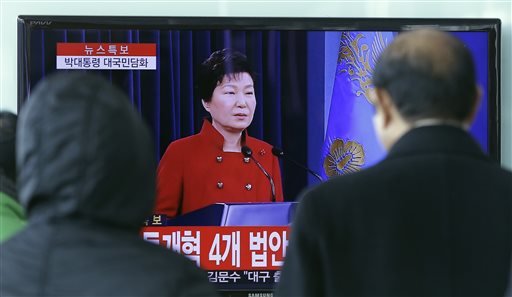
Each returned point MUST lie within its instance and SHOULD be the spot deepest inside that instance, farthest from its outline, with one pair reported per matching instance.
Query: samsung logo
(260, 295)
(41, 23)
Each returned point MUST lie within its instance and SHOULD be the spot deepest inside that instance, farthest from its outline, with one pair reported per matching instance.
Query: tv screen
(311, 85)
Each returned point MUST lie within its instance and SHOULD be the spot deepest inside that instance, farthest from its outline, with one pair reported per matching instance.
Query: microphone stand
(247, 152)
(279, 153)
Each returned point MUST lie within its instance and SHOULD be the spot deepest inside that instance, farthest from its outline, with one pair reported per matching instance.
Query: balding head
(428, 74)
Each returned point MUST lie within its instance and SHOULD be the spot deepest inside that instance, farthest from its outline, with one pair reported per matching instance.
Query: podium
(241, 245)
(238, 214)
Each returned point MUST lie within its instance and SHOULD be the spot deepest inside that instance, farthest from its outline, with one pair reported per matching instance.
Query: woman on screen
(214, 165)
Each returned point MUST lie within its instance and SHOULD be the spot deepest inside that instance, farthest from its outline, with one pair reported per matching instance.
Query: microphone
(279, 153)
(247, 152)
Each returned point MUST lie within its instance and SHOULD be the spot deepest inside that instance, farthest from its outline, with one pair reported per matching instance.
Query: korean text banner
(106, 56)
(225, 248)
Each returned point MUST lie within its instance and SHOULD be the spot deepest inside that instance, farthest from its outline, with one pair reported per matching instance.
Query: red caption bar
(225, 248)
(106, 49)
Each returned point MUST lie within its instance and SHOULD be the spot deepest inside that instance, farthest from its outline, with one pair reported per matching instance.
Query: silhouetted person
(434, 218)
(12, 215)
(87, 179)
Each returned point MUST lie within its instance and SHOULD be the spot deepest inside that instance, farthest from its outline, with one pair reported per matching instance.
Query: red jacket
(196, 172)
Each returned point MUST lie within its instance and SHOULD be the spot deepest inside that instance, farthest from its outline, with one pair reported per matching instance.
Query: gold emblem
(343, 157)
(358, 58)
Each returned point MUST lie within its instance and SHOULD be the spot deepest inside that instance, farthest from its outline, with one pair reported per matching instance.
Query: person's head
(7, 144)
(83, 152)
(423, 75)
(226, 88)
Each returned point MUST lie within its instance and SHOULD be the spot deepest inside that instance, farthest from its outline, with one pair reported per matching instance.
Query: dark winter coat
(87, 180)
(434, 218)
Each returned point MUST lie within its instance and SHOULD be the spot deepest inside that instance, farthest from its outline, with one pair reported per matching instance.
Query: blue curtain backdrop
(167, 100)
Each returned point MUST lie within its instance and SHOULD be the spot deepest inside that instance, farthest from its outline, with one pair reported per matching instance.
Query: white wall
(10, 9)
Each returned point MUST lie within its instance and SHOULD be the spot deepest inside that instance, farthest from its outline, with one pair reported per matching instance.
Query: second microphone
(247, 152)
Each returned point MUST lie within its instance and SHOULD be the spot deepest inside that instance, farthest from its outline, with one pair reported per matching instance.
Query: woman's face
(232, 104)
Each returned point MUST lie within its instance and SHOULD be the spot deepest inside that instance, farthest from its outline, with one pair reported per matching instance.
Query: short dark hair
(428, 74)
(220, 63)
(8, 143)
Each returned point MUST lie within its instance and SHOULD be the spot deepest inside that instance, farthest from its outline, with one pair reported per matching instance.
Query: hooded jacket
(87, 180)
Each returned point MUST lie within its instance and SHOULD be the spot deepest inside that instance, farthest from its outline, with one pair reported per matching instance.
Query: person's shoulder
(321, 206)
(6, 199)
(170, 258)
(343, 190)
(184, 144)
(498, 169)
(326, 205)
(179, 274)
(166, 256)
(256, 143)
(502, 176)
(354, 180)
(253, 140)
(502, 171)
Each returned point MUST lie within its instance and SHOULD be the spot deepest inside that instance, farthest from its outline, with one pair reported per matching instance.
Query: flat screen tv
(312, 76)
